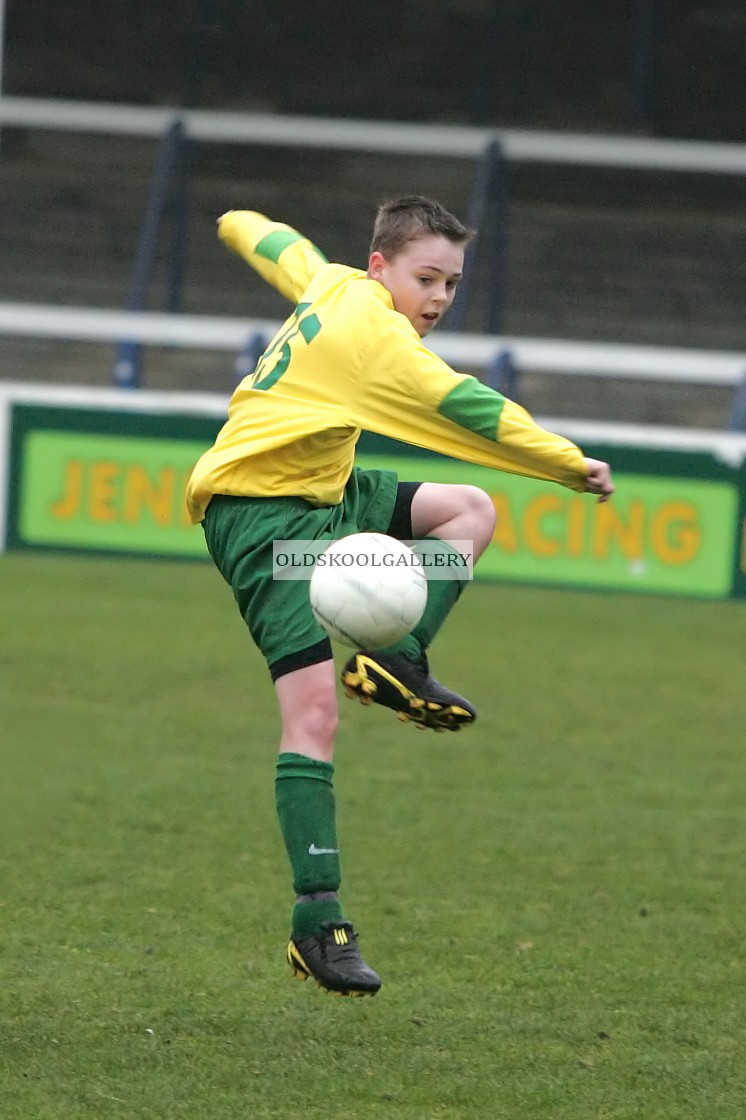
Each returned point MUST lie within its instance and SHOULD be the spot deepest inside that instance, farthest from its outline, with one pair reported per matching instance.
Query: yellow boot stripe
(363, 662)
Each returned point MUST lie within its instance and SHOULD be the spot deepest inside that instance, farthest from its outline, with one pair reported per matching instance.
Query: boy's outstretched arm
(283, 257)
(410, 394)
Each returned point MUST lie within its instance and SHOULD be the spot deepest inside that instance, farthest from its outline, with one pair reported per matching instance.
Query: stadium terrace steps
(556, 66)
(592, 254)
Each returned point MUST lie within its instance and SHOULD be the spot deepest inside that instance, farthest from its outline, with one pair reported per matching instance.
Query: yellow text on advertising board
(106, 492)
(565, 525)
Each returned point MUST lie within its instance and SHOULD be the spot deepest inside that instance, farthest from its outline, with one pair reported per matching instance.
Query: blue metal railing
(503, 374)
(645, 63)
(170, 183)
(737, 416)
(247, 360)
(488, 214)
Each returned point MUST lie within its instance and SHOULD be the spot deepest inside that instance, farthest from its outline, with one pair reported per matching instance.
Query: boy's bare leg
(309, 712)
(322, 944)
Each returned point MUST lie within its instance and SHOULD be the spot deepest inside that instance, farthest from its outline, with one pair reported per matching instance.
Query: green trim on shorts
(240, 533)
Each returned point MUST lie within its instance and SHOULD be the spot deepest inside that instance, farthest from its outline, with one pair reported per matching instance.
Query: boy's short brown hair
(407, 219)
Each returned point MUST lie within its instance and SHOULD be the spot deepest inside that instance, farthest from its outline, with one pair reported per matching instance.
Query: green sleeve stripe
(275, 243)
(473, 406)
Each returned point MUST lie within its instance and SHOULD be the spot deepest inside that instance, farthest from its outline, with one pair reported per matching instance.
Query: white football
(368, 590)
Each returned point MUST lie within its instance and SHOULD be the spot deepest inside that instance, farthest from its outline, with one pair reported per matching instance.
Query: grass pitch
(554, 898)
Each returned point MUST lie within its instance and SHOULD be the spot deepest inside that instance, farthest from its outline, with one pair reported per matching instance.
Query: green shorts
(240, 533)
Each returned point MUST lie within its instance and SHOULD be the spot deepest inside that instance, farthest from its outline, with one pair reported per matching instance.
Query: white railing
(465, 351)
(394, 137)
(729, 447)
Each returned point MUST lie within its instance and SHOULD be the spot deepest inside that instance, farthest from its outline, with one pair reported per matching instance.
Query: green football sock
(307, 812)
(442, 595)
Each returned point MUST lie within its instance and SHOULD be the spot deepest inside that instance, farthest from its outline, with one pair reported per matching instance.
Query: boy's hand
(598, 480)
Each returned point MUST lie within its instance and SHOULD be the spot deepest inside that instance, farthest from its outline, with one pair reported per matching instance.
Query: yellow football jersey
(345, 361)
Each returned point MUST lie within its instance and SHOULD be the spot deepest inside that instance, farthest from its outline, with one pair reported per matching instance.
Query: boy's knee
(480, 517)
(481, 505)
(479, 509)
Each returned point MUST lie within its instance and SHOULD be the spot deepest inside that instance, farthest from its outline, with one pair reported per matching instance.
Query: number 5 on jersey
(276, 358)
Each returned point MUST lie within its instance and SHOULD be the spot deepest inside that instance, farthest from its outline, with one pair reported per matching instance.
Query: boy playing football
(351, 357)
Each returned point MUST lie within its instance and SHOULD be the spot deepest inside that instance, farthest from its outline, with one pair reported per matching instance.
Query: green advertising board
(104, 481)
(88, 491)
(112, 481)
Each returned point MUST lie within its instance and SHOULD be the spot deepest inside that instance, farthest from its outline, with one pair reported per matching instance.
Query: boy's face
(422, 279)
